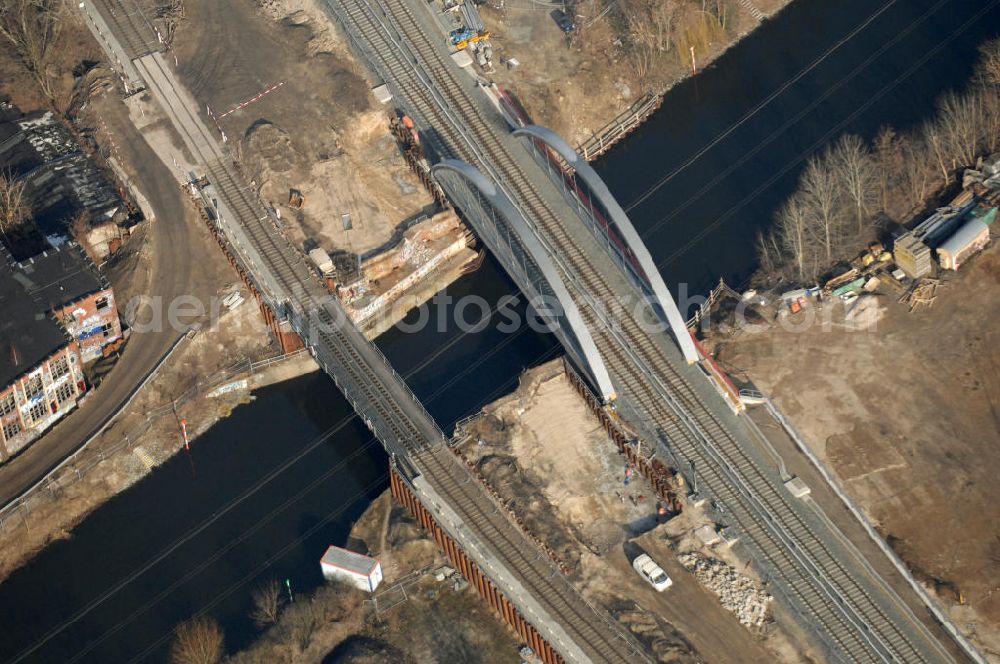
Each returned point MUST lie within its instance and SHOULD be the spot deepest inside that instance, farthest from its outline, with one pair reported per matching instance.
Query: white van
(652, 572)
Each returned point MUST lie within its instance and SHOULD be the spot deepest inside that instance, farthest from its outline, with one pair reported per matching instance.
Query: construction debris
(923, 292)
(737, 593)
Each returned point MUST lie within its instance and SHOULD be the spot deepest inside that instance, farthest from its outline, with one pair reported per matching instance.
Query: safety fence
(721, 290)
(620, 127)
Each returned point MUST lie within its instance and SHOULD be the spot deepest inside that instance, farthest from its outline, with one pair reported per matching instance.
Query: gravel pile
(738, 593)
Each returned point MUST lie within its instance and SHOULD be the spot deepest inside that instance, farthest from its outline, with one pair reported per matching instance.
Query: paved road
(170, 275)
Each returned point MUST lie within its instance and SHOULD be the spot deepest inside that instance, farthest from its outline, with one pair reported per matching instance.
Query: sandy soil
(321, 133)
(907, 413)
(577, 84)
(543, 450)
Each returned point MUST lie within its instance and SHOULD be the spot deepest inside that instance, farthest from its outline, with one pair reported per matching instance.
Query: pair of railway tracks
(415, 64)
(374, 389)
(855, 624)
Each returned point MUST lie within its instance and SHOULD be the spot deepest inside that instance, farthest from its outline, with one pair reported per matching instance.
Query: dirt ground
(415, 617)
(577, 84)
(75, 46)
(321, 132)
(541, 449)
(905, 409)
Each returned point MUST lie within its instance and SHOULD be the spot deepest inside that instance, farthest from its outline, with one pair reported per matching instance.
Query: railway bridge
(561, 235)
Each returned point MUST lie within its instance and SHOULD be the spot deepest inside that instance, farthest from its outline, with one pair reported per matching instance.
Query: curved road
(170, 236)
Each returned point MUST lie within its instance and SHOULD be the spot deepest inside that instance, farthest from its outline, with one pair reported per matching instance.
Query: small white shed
(360, 571)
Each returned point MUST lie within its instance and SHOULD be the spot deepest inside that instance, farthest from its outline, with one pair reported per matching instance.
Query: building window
(11, 429)
(101, 304)
(59, 368)
(33, 387)
(37, 411)
(7, 404)
(65, 393)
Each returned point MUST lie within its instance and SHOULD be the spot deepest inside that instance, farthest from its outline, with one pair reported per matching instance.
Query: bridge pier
(288, 340)
(402, 493)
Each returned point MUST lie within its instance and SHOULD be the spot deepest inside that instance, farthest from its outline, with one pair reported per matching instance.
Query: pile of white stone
(737, 593)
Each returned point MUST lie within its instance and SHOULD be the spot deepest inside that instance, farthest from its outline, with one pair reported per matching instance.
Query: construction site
(889, 372)
(617, 555)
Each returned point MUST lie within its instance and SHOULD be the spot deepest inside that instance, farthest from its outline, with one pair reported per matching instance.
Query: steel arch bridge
(510, 237)
(589, 195)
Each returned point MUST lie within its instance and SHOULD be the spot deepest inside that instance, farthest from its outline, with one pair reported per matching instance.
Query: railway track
(135, 33)
(416, 63)
(377, 393)
(595, 634)
(298, 289)
(855, 624)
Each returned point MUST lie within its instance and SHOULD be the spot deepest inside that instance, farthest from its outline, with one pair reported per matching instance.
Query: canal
(705, 173)
(265, 491)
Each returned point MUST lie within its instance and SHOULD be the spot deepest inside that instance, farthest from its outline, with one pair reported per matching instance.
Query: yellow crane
(465, 43)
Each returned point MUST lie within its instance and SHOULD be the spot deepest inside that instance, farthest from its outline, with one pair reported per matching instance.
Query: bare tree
(267, 601)
(197, 641)
(960, 120)
(853, 165)
(651, 27)
(988, 83)
(936, 144)
(33, 27)
(989, 62)
(13, 206)
(769, 251)
(889, 159)
(793, 231)
(822, 199)
(989, 99)
(915, 174)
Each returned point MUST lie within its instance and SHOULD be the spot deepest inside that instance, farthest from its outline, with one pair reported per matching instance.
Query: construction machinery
(465, 37)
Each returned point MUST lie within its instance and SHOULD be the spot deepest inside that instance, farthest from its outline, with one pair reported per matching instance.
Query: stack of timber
(912, 256)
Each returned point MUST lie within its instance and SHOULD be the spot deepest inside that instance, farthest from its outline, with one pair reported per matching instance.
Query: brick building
(58, 314)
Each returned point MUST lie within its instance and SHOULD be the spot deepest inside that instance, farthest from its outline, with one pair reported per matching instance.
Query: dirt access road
(907, 414)
(594, 523)
(321, 132)
(175, 261)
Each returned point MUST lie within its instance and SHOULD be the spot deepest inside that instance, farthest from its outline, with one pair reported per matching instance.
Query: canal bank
(260, 495)
(708, 170)
(486, 364)
(277, 480)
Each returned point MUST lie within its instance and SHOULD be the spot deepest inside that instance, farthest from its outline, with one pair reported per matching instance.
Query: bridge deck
(854, 615)
(379, 396)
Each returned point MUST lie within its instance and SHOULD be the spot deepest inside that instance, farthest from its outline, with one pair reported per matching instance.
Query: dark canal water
(727, 146)
(265, 491)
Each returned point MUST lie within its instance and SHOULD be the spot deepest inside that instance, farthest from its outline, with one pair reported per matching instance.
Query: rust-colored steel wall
(413, 154)
(660, 477)
(496, 599)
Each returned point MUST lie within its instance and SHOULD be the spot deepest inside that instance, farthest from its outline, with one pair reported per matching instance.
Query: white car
(652, 572)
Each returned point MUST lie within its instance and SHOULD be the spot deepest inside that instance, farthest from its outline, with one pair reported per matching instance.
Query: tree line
(847, 188)
(657, 29)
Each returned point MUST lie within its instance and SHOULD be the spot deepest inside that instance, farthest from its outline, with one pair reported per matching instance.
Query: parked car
(564, 22)
(652, 572)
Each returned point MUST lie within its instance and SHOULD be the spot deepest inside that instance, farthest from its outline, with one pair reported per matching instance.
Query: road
(172, 245)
